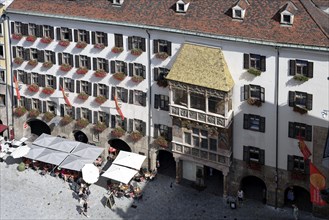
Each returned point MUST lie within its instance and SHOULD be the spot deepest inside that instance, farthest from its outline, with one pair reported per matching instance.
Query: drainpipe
(277, 125)
(149, 97)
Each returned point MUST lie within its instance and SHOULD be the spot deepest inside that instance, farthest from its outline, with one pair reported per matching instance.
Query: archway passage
(254, 188)
(301, 197)
(38, 127)
(119, 144)
(80, 136)
(166, 164)
(213, 180)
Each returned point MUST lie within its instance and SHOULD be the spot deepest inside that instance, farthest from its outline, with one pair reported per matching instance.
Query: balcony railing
(200, 116)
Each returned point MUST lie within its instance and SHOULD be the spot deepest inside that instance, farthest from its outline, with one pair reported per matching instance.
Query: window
(51, 107)
(162, 46)
(163, 131)
(48, 31)
(21, 76)
(81, 36)
(1, 29)
(237, 13)
(296, 163)
(64, 34)
(35, 78)
(49, 56)
(19, 52)
(200, 138)
(181, 7)
(118, 67)
(65, 58)
(50, 81)
(84, 113)
(255, 92)
(2, 100)
(2, 76)
(32, 29)
(99, 38)
(101, 117)
(82, 62)
(2, 52)
(84, 86)
(254, 61)
(301, 67)
(254, 122)
(198, 101)
(136, 69)
(216, 105)
(161, 102)
(120, 93)
(138, 125)
(33, 54)
(139, 97)
(287, 19)
(136, 43)
(67, 84)
(301, 100)
(187, 138)
(116, 121)
(36, 104)
(253, 154)
(17, 27)
(118, 40)
(296, 129)
(180, 97)
(101, 64)
(160, 73)
(102, 90)
(213, 144)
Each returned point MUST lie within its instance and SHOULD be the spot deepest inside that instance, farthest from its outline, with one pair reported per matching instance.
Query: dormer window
(181, 7)
(237, 13)
(239, 10)
(287, 18)
(117, 2)
(287, 12)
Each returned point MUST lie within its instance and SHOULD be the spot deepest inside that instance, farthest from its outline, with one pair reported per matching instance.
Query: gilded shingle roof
(202, 66)
(203, 16)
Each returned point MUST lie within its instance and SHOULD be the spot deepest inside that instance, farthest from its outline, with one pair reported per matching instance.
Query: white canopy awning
(129, 159)
(120, 173)
(64, 146)
(20, 151)
(72, 162)
(34, 152)
(46, 140)
(52, 156)
(87, 151)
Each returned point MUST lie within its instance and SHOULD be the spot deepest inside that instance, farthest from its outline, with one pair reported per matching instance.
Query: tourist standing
(295, 212)
(85, 208)
(240, 196)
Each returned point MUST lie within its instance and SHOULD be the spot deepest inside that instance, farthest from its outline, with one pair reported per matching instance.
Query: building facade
(230, 90)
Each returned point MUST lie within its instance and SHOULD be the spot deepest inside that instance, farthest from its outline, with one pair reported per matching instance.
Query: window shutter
(61, 82)
(112, 121)
(106, 67)
(27, 54)
(25, 78)
(307, 167)
(156, 131)
(58, 33)
(169, 48)
(262, 94)
(246, 91)
(40, 80)
(118, 41)
(78, 116)
(309, 99)
(43, 80)
(93, 37)
(155, 46)
(155, 74)
(60, 61)
(95, 117)
(308, 133)
(89, 88)
(246, 121)
(53, 57)
(89, 63)
(55, 82)
(144, 128)
(246, 61)
(291, 130)
(292, 65)
(90, 116)
(72, 85)
(44, 106)
(105, 39)
(77, 61)
(87, 37)
(51, 30)
(25, 31)
(78, 86)
(14, 52)
(71, 59)
(38, 31)
(39, 105)
(28, 104)
(144, 72)
(156, 101)
(112, 66)
(62, 110)
(144, 98)
(113, 92)
(125, 68)
(131, 125)
(130, 44)
(76, 39)
(41, 57)
(107, 119)
(73, 112)
(125, 124)
(131, 69)
(131, 96)
(290, 163)
(246, 153)
(94, 63)
(28, 78)
(262, 63)
(262, 156)
(310, 69)
(70, 34)
(95, 90)
(12, 24)
(169, 134)
(125, 95)
(292, 98)
(107, 92)
(143, 44)
(15, 74)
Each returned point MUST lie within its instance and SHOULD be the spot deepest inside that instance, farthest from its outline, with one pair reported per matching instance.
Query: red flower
(64, 43)
(48, 90)
(33, 88)
(83, 96)
(100, 99)
(16, 36)
(100, 73)
(117, 49)
(65, 67)
(33, 62)
(18, 60)
(31, 38)
(136, 52)
(46, 40)
(119, 76)
(99, 46)
(81, 45)
(81, 71)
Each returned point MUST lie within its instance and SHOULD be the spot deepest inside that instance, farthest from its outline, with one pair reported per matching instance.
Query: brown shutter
(155, 74)
(246, 121)
(246, 91)
(76, 39)
(105, 39)
(58, 33)
(25, 29)
(246, 59)
(112, 66)
(130, 44)
(309, 100)
(292, 65)
(262, 63)
(291, 130)
(155, 46)
(131, 69)
(290, 164)
(262, 124)
(246, 153)
(169, 48)
(143, 44)
(308, 133)
(310, 69)
(93, 37)
(292, 98)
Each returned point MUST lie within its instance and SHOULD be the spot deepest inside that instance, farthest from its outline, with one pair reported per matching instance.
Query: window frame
(254, 122)
(304, 130)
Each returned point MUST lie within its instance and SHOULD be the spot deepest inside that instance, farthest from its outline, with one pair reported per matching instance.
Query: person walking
(295, 212)
(85, 208)
(240, 196)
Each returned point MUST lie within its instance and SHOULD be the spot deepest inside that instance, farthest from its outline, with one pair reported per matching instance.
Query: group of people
(80, 187)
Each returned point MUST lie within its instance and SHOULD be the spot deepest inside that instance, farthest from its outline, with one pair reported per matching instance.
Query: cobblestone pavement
(28, 195)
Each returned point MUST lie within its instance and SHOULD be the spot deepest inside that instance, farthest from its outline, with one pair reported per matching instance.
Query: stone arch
(80, 136)
(302, 198)
(254, 188)
(119, 144)
(38, 127)
(166, 163)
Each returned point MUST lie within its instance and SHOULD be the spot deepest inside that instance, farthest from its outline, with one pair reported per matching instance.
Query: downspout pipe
(149, 96)
(277, 59)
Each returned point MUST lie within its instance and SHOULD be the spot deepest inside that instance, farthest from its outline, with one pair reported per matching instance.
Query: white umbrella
(90, 173)
(20, 151)
(129, 159)
(120, 173)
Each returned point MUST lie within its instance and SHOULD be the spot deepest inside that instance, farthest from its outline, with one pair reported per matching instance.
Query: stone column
(225, 179)
(178, 170)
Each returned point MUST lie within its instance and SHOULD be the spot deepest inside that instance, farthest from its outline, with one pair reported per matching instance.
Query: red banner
(304, 149)
(67, 101)
(317, 183)
(118, 108)
(17, 88)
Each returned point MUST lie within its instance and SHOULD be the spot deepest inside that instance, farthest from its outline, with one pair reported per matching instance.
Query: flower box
(20, 111)
(301, 78)
(161, 55)
(34, 113)
(81, 44)
(254, 71)
(16, 36)
(81, 123)
(136, 136)
(137, 79)
(300, 110)
(83, 96)
(48, 90)
(100, 127)
(18, 60)
(100, 73)
(81, 71)
(33, 88)
(118, 132)
(47, 64)
(100, 99)
(64, 43)
(46, 40)
(31, 38)
(33, 62)
(136, 52)
(65, 67)
(117, 49)
(162, 142)
(99, 46)
(47, 116)
(119, 76)
(162, 83)
(67, 119)
(254, 101)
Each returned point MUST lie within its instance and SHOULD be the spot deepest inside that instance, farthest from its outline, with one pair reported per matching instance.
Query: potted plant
(48, 90)
(81, 44)
(82, 123)
(301, 78)
(161, 55)
(83, 96)
(64, 43)
(99, 46)
(47, 64)
(33, 62)
(100, 99)
(65, 67)
(46, 40)
(254, 101)
(16, 36)
(21, 167)
(137, 79)
(254, 71)
(117, 49)
(67, 119)
(81, 71)
(47, 116)
(162, 142)
(20, 111)
(99, 127)
(100, 73)
(136, 136)
(31, 38)
(18, 60)
(136, 51)
(33, 88)
(162, 83)
(118, 132)
(119, 76)
(34, 113)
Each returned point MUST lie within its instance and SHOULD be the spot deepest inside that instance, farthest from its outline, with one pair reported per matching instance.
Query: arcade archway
(80, 136)
(254, 188)
(119, 144)
(38, 127)
(166, 164)
(301, 197)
